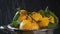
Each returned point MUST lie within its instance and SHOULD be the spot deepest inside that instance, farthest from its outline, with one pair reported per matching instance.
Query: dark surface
(8, 9)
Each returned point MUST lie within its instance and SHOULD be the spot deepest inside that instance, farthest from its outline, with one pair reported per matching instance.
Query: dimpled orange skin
(28, 25)
(44, 22)
(22, 15)
(51, 19)
(36, 16)
(23, 11)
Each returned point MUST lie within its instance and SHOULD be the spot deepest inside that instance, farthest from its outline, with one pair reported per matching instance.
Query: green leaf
(50, 25)
(47, 12)
(46, 9)
(41, 12)
(16, 24)
(16, 16)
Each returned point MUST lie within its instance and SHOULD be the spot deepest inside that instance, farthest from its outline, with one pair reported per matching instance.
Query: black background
(8, 9)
